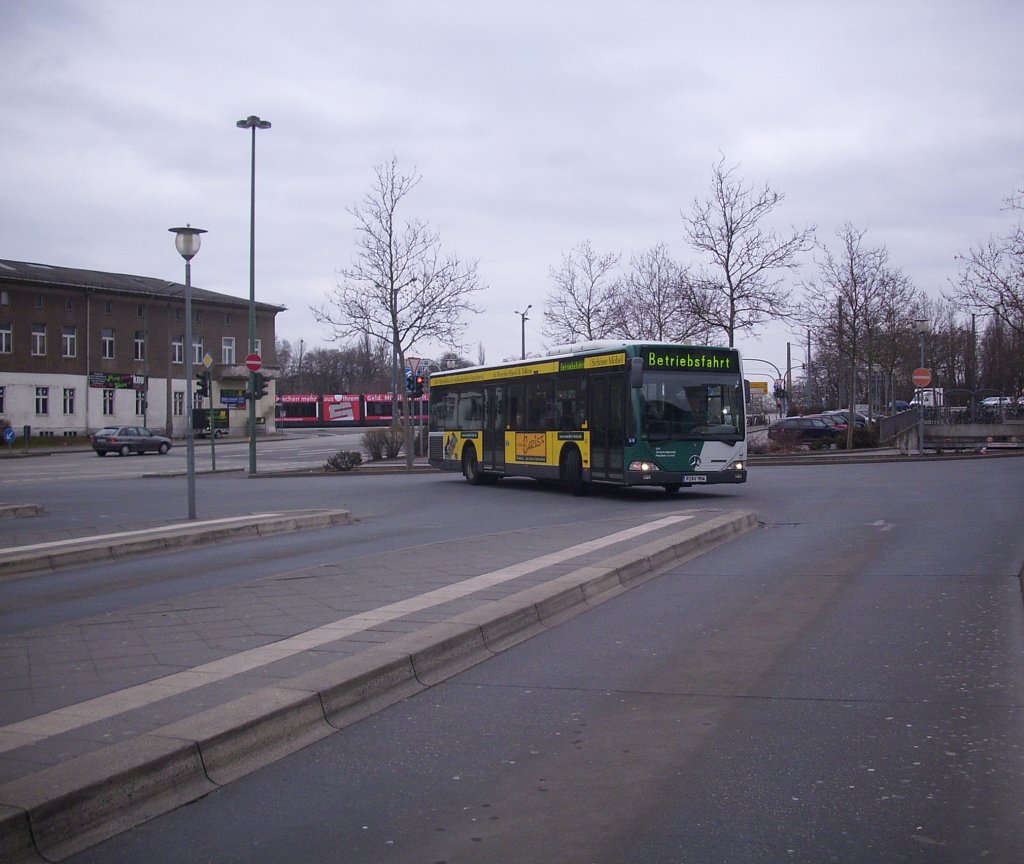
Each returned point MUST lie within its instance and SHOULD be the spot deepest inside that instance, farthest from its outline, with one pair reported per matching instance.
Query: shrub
(862, 438)
(786, 441)
(384, 442)
(344, 460)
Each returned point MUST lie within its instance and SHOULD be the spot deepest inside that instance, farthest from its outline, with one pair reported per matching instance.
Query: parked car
(127, 440)
(838, 424)
(996, 402)
(859, 420)
(805, 430)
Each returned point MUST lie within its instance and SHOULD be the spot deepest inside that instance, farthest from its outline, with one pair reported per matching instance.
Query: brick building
(81, 349)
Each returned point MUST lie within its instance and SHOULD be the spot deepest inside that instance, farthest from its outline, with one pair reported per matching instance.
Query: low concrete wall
(901, 431)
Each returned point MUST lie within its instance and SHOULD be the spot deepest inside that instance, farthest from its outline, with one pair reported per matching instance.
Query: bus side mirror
(636, 372)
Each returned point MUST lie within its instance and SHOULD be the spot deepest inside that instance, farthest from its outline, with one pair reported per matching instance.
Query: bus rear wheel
(471, 467)
(572, 473)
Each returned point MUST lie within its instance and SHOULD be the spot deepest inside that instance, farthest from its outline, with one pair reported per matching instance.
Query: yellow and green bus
(633, 414)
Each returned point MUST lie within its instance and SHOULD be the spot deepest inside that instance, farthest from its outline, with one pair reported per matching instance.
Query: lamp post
(780, 377)
(252, 122)
(922, 328)
(524, 318)
(187, 241)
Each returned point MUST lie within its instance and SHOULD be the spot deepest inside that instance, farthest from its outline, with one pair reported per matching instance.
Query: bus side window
(448, 413)
(541, 405)
(516, 408)
(471, 413)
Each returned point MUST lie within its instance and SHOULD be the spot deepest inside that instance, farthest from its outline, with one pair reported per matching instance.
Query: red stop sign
(922, 377)
(253, 362)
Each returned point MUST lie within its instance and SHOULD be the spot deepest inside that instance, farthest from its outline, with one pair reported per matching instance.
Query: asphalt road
(845, 684)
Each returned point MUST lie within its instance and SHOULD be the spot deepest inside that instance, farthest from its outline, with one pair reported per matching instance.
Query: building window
(197, 316)
(178, 349)
(140, 402)
(69, 400)
(107, 343)
(197, 350)
(140, 312)
(258, 349)
(227, 319)
(140, 344)
(227, 350)
(177, 314)
(6, 337)
(69, 342)
(179, 403)
(5, 298)
(3, 397)
(42, 400)
(38, 340)
(40, 303)
(108, 307)
(108, 403)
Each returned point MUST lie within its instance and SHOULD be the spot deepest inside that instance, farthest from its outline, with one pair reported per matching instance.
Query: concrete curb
(20, 511)
(69, 807)
(21, 560)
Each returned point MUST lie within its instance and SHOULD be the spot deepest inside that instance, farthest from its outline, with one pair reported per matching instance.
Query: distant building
(80, 349)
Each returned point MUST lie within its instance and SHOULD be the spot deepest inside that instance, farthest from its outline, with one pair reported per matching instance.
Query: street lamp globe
(187, 241)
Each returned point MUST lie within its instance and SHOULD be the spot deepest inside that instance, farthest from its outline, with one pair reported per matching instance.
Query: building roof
(50, 276)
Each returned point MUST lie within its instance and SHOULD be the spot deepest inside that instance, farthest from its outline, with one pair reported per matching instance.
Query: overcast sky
(535, 124)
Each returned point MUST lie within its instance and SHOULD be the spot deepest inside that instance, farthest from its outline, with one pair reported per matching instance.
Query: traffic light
(416, 391)
(203, 384)
(259, 385)
(410, 383)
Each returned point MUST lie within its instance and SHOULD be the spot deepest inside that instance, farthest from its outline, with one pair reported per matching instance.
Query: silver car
(127, 440)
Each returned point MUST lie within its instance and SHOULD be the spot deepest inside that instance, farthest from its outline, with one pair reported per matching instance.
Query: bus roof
(580, 349)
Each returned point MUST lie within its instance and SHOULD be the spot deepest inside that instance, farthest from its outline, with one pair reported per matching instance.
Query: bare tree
(741, 287)
(583, 304)
(400, 289)
(992, 275)
(652, 301)
(847, 304)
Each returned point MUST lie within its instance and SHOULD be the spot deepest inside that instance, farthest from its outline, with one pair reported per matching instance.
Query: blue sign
(10, 434)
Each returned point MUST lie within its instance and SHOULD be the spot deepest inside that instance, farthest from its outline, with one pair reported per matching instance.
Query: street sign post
(921, 377)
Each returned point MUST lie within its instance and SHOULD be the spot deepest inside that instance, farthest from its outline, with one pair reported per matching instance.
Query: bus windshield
(680, 406)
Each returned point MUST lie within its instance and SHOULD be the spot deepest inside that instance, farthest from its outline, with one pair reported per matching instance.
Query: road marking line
(70, 717)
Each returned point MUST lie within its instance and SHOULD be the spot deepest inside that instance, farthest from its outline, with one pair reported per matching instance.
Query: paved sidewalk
(109, 721)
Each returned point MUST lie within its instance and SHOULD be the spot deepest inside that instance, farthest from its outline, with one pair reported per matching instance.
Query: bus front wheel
(572, 472)
(471, 467)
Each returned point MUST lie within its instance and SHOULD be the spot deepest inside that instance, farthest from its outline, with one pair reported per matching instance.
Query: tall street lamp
(186, 241)
(252, 122)
(523, 330)
(922, 329)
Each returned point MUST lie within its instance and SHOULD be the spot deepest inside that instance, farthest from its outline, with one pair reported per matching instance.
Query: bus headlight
(738, 466)
(643, 465)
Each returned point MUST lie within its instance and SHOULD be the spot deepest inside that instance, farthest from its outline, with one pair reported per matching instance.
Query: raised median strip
(20, 560)
(62, 809)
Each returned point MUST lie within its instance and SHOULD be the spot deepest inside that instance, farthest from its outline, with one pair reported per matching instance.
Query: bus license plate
(695, 478)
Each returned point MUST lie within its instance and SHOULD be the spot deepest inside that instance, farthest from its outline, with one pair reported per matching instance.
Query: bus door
(607, 426)
(494, 428)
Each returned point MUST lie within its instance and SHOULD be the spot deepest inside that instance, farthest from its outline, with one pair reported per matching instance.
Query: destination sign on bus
(684, 358)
